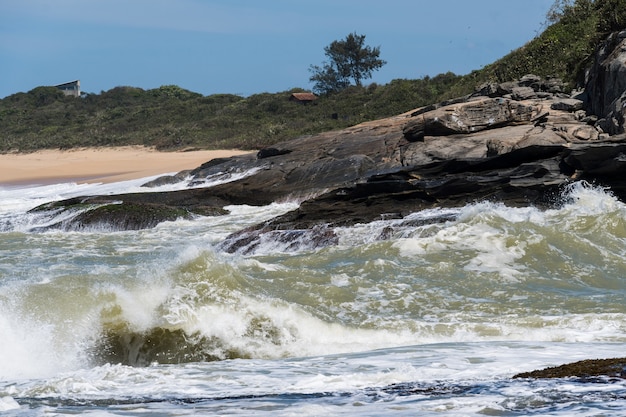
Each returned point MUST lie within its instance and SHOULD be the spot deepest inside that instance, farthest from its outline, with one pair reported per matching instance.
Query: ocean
(433, 320)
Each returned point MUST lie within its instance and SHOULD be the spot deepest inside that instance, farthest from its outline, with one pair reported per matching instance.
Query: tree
(348, 59)
(42, 96)
(612, 15)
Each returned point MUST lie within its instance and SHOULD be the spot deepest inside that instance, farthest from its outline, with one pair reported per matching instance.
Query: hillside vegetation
(171, 118)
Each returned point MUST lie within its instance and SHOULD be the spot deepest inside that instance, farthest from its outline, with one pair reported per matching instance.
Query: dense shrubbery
(170, 117)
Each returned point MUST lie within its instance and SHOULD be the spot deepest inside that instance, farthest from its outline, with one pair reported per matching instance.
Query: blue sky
(247, 46)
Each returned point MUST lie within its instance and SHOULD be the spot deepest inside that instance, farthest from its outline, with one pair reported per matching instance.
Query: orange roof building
(303, 97)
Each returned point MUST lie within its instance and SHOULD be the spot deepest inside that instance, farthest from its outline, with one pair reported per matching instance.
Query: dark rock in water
(252, 239)
(121, 212)
(586, 369)
(127, 216)
(168, 179)
(514, 152)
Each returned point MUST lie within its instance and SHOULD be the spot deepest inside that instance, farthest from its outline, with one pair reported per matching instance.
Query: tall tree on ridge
(348, 60)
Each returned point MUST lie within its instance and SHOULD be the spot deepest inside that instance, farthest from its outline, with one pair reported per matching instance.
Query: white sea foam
(8, 403)
(440, 376)
(29, 349)
(375, 325)
(22, 199)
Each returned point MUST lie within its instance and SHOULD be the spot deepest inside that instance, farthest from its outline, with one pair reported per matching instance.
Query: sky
(246, 47)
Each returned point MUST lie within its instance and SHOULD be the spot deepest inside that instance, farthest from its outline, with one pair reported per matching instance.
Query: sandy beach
(99, 165)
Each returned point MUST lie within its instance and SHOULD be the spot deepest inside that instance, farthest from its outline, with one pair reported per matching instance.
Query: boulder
(531, 80)
(488, 90)
(468, 117)
(506, 88)
(529, 86)
(567, 104)
(553, 85)
(523, 93)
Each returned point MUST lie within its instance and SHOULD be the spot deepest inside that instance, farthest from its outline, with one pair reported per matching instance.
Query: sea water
(402, 317)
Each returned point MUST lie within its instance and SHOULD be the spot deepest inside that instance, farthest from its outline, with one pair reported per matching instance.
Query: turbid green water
(434, 320)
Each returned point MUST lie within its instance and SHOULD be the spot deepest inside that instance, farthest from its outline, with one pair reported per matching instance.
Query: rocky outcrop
(605, 91)
(518, 152)
(130, 212)
(468, 117)
(519, 143)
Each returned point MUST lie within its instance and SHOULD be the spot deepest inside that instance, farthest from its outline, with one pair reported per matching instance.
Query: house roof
(304, 96)
(75, 82)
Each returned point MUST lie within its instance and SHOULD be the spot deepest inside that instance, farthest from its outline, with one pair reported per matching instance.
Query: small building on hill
(303, 98)
(71, 88)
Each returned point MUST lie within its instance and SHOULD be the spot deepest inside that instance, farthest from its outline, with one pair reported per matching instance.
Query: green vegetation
(171, 118)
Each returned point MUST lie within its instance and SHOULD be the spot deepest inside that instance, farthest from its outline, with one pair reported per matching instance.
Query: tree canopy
(349, 60)
(610, 15)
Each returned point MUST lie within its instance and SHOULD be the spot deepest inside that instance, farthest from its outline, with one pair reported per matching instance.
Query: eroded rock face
(606, 84)
(468, 117)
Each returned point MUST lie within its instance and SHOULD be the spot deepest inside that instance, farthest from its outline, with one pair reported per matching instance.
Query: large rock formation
(517, 142)
(606, 85)
(467, 117)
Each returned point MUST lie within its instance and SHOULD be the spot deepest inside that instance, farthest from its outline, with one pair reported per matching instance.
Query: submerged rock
(118, 213)
(126, 216)
(586, 369)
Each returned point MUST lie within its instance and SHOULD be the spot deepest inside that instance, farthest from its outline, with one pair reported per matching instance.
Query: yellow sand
(98, 165)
